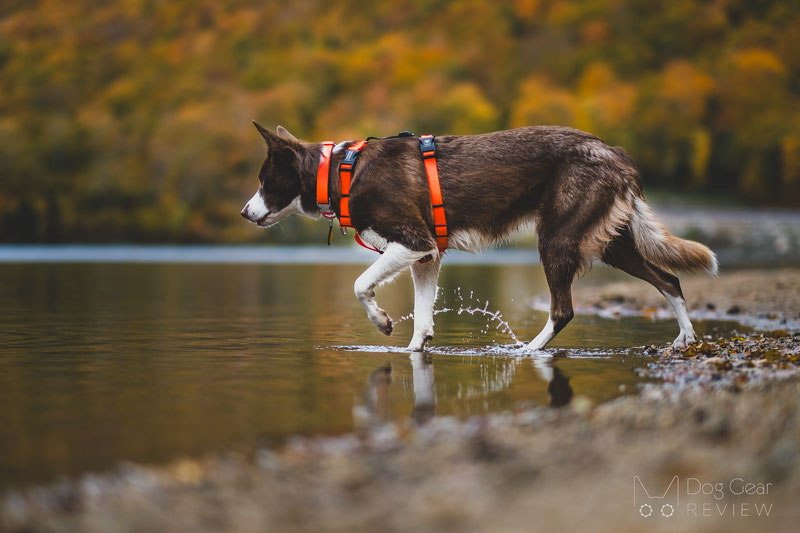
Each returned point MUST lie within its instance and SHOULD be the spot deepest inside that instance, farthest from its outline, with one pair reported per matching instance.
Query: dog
(583, 196)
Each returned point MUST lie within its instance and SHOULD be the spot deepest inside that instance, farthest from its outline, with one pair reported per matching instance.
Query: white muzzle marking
(255, 209)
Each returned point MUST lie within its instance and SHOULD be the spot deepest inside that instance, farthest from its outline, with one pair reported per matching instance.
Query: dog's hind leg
(560, 261)
(621, 253)
(394, 260)
(425, 277)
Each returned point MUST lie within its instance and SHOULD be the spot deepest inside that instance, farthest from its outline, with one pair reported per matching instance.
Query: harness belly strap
(428, 150)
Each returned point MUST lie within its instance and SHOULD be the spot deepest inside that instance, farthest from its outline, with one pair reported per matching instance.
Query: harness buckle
(350, 158)
(427, 146)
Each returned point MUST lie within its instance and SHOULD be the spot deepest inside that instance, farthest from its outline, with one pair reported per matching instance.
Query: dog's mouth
(263, 221)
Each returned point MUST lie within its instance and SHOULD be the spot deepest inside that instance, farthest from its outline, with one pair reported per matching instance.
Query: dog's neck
(308, 166)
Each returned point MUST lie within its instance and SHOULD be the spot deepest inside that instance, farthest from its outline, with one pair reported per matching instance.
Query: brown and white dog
(583, 196)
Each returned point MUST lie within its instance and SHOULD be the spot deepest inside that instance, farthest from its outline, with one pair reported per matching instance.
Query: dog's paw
(418, 342)
(684, 340)
(383, 322)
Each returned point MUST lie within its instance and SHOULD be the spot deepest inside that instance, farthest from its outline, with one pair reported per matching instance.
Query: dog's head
(280, 177)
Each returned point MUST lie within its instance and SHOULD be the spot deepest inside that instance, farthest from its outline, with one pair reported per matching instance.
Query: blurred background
(129, 120)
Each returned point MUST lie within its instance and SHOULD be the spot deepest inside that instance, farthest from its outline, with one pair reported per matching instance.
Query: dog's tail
(665, 250)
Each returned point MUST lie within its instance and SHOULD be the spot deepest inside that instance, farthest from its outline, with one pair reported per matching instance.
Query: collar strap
(427, 149)
(323, 173)
(345, 174)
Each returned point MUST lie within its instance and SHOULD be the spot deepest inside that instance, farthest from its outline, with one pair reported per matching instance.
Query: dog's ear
(270, 137)
(283, 133)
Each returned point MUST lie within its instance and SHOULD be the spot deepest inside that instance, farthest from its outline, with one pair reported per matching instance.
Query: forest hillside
(129, 120)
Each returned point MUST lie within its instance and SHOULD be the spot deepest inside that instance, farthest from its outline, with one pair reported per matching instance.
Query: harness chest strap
(428, 150)
(345, 175)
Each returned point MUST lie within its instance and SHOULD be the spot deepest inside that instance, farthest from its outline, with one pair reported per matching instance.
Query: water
(107, 362)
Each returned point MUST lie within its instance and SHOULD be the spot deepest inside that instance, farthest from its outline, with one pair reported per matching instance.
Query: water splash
(496, 317)
(503, 350)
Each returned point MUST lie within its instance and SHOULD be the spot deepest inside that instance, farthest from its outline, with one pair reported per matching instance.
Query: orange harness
(346, 167)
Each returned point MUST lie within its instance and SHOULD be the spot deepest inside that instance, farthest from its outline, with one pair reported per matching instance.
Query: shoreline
(725, 409)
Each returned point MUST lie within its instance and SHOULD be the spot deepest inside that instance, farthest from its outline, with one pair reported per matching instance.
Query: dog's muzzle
(249, 216)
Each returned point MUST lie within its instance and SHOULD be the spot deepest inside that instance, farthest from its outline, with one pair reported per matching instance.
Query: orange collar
(323, 171)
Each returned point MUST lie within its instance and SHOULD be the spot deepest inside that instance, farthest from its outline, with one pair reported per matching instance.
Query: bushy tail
(665, 250)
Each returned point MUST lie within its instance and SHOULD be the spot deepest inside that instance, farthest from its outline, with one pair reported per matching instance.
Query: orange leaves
(701, 93)
(686, 88)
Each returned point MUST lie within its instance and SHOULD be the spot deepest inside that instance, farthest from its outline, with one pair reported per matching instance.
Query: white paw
(535, 345)
(684, 340)
(534, 350)
(382, 321)
(419, 340)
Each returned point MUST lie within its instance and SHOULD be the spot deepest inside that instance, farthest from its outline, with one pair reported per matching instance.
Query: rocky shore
(724, 419)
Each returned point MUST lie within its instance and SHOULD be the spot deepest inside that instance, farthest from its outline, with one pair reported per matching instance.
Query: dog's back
(566, 181)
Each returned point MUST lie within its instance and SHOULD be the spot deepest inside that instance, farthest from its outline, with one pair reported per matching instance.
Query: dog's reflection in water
(378, 401)
(559, 389)
(424, 395)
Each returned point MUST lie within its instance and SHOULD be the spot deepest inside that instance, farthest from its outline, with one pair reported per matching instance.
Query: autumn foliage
(130, 120)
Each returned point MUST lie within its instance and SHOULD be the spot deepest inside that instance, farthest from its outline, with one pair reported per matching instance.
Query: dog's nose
(244, 211)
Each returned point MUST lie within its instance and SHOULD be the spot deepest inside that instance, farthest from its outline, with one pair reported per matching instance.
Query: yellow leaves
(686, 87)
(541, 102)
(701, 152)
(790, 155)
(758, 61)
(596, 77)
(605, 102)
(563, 12)
(702, 348)
(526, 9)
(122, 94)
(165, 89)
(601, 101)
(470, 110)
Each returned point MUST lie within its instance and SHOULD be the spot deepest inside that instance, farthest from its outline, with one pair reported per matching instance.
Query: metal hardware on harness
(428, 150)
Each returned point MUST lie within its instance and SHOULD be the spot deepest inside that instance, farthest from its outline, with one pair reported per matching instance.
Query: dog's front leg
(395, 259)
(425, 277)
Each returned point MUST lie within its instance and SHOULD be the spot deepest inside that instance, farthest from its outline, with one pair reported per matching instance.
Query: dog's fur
(583, 196)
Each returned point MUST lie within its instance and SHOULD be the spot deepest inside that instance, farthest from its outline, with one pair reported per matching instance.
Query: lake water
(123, 359)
